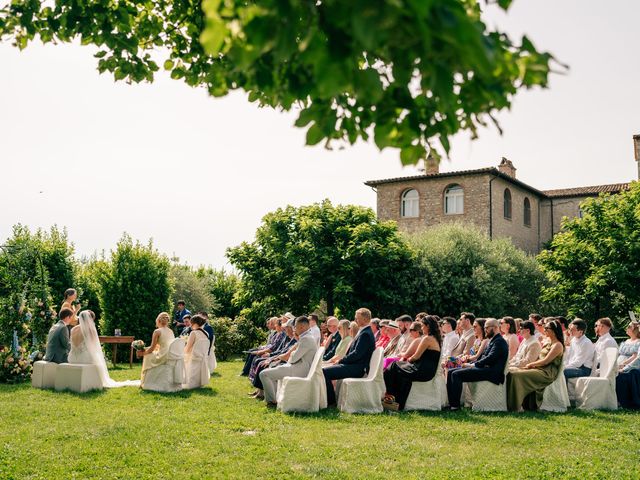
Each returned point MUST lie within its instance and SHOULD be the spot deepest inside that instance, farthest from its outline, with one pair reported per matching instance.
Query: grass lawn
(219, 432)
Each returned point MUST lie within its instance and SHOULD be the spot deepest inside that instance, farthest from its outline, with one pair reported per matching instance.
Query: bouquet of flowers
(138, 345)
(453, 362)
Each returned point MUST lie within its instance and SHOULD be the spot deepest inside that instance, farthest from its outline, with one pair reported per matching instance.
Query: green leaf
(314, 135)
(412, 154)
(168, 64)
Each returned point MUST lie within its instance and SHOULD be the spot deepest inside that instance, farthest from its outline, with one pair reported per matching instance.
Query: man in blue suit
(490, 365)
(355, 363)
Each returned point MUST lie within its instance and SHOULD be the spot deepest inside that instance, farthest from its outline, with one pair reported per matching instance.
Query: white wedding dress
(87, 351)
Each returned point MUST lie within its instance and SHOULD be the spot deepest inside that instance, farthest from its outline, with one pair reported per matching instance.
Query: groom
(58, 345)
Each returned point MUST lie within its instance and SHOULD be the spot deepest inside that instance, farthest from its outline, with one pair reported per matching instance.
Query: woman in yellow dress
(525, 386)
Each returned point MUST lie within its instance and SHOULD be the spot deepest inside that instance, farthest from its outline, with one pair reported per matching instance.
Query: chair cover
(78, 377)
(44, 374)
(571, 383)
(600, 392)
(426, 395)
(211, 360)
(364, 395)
(304, 394)
(556, 397)
(196, 365)
(170, 376)
(486, 396)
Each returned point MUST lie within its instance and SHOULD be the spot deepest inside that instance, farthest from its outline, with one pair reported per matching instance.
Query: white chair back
(609, 363)
(376, 363)
(176, 349)
(594, 364)
(316, 364)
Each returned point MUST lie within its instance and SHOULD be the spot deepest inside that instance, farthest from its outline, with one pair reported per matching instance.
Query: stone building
(491, 198)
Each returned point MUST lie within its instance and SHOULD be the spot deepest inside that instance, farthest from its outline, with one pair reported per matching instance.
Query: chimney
(507, 168)
(431, 165)
(636, 149)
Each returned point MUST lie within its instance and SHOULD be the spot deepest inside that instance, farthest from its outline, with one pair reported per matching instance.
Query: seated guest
(404, 322)
(274, 359)
(580, 354)
(211, 359)
(375, 328)
(411, 347)
(537, 321)
(393, 332)
(355, 363)
(518, 329)
(529, 349)
(489, 367)
(564, 324)
(466, 338)
(479, 344)
(271, 322)
(628, 354)
(155, 354)
(420, 367)
(298, 364)
(605, 340)
(314, 330)
(196, 354)
(58, 345)
(275, 343)
(449, 336)
(525, 386)
(333, 340)
(384, 337)
(628, 379)
(344, 327)
(508, 331)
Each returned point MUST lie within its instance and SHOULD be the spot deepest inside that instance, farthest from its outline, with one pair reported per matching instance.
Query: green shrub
(191, 288)
(234, 336)
(135, 289)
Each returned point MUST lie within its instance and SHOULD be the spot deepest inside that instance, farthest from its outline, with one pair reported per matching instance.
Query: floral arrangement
(138, 345)
(14, 366)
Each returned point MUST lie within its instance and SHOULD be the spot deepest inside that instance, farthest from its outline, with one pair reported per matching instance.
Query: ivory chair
(363, 395)
(556, 397)
(486, 396)
(170, 376)
(600, 392)
(77, 377)
(426, 395)
(44, 374)
(304, 394)
(571, 383)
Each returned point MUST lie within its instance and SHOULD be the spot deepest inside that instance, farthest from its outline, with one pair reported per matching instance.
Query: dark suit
(490, 366)
(330, 351)
(354, 364)
(209, 329)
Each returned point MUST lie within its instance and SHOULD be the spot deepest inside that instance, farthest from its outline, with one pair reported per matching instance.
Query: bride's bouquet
(138, 345)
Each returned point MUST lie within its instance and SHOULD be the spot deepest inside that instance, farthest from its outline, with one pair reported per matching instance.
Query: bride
(86, 349)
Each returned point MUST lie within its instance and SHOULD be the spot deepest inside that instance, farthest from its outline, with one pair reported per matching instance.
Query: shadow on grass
(198, 392)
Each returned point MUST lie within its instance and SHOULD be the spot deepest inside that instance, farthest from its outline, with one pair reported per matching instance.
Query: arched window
(454, 200)
(507, 204)
(527, 212)
(409, 207)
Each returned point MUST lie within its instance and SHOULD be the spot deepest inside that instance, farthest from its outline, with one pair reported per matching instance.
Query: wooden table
(115, 341)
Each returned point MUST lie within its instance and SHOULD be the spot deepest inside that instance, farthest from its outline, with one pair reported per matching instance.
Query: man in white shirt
(605, 340)
(314, 330)
(529, 349)
(449, 336)
(580, 354)
(466, 340)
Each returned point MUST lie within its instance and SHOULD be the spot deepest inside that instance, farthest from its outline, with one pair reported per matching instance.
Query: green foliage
(340, 254)
(191, 288)
(415, 72)
(234, 336)
(90, 279)
(224, 287)
(15, 367)
(594, 263)
(458, 268)
(135, 289)
(32, 266)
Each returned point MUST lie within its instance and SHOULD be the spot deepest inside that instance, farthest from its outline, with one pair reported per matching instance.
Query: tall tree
(415, 72)
(594, 263)
(340, 254)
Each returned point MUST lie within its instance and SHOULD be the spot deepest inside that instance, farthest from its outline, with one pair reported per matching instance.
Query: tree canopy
(594, 263)
(410, 73)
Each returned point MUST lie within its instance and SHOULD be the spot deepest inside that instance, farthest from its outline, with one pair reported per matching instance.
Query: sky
(197, 174)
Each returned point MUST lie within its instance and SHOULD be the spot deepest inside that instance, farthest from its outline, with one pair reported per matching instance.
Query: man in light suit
(298, 365)
(355, 363)
(529, 349)
(58, 345)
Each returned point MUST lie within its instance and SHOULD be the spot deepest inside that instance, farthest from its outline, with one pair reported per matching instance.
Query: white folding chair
(556, 397)
(486, 396)
(364, 395)
(304, 394)
(426, 395)
(600, 392)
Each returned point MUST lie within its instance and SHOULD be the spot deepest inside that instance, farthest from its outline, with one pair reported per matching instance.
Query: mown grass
(218, 432)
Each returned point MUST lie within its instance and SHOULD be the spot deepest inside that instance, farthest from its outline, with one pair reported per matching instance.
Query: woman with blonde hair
(344, 327)
(156, 353)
